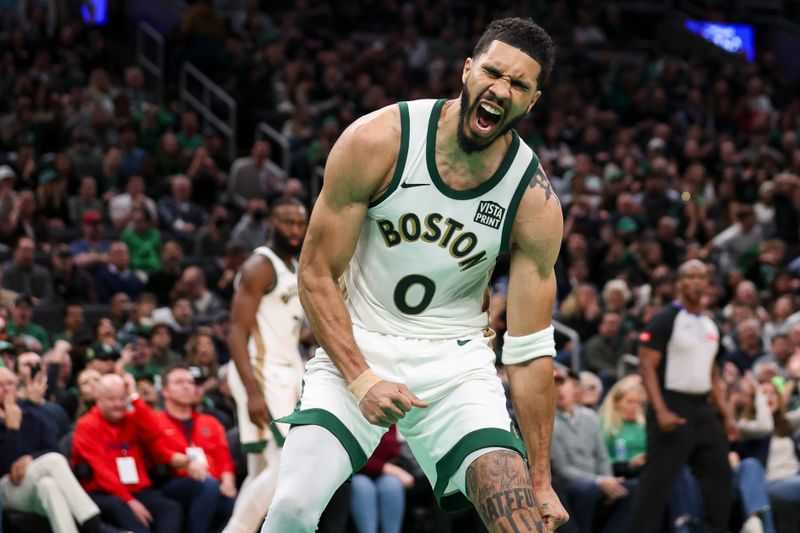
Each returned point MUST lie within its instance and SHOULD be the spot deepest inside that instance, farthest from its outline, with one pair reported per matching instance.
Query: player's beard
(280, 242)
(470, 145)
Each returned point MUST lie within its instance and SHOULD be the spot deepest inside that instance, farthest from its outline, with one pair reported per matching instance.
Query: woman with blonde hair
(623, 422)
(624, 431)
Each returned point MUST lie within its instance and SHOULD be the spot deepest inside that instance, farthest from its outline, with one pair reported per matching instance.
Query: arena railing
(192, 81)
(150, 53)
(575, 356)
(265, 130)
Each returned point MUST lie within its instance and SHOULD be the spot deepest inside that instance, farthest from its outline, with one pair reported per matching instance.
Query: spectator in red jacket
(207, 487)
(119, 444)
(379, 495)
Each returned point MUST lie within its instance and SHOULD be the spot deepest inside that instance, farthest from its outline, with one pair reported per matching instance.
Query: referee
(677, 352)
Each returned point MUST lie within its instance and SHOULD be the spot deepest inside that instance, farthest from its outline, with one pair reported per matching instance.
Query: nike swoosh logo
(405, 185)
(462, 343)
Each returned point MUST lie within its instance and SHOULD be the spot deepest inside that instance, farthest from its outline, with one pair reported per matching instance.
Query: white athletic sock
(257, 490)
(313, 465)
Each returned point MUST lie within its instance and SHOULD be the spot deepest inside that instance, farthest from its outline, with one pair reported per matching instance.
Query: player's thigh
(470, 421)
(327, 402)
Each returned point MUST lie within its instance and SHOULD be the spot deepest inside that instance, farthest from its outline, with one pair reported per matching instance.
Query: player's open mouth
(487, 116)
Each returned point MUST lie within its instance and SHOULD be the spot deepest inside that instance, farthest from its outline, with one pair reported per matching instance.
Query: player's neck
(283, 255)
(480, 164)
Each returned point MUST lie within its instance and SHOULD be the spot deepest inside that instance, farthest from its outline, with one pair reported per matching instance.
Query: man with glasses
(207, 486)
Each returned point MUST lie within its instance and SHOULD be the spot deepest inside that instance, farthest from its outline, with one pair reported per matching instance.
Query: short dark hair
(286, 200)
(522, 33)
(779, 336)
(70, 303)
(178, 299)
(172, 367)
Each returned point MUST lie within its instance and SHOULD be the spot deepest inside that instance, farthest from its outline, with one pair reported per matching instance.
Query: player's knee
(291, 512)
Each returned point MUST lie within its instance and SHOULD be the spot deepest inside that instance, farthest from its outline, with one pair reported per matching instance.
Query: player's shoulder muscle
(539, 223)
(365, 154)
(257, 276)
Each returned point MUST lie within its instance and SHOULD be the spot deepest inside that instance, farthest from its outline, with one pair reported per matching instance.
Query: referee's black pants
(702, 444)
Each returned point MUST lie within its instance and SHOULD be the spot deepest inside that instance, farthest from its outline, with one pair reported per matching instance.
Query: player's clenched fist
(387, 402)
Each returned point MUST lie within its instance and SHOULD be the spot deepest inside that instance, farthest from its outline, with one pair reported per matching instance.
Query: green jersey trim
(326, 419)
(481, 189)
(448, 465)
(505, 240)
(401, 157)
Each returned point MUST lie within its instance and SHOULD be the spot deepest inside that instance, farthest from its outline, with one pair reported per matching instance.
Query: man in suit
(22, 274)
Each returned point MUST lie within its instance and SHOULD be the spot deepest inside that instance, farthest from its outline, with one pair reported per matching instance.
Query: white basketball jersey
(426, 251)
(279, 318)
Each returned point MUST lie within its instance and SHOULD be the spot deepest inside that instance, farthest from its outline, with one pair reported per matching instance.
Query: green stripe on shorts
(279, 438)
(254, 447)
(326, 419)
(448, 465)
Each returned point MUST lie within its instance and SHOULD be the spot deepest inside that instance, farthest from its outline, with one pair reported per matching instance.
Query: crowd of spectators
(123, 221)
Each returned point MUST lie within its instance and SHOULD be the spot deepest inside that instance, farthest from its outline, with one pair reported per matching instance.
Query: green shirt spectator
(623, 423)
(144, 242)
(30, 330)
(629, 442)
(20, 324)
(189, 138)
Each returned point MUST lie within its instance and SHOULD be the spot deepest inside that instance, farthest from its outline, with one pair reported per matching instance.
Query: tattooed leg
(499, 486)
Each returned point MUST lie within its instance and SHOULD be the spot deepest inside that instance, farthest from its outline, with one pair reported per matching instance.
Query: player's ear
(536, 96)
(467, 68)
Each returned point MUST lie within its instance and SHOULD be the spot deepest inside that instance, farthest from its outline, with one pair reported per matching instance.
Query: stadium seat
(237, 454)
(65, 235)
(94, 312)
(17, 522)
(49, 316)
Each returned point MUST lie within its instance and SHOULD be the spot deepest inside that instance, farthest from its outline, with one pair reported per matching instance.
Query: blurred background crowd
(124, 215)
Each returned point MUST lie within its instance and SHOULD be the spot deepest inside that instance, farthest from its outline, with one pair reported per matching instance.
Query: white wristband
(520, 349)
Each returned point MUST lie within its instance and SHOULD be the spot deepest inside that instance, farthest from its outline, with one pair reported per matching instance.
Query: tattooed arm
(532, 286)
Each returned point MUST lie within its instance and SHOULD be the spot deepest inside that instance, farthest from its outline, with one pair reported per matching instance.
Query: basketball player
(265, 380)
(419, 200)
